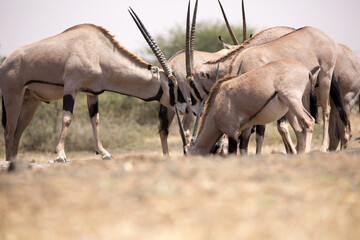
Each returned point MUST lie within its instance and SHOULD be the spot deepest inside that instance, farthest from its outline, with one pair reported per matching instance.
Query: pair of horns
(153, 45)
(232, 35)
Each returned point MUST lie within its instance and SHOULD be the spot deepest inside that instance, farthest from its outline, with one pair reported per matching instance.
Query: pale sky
(26, 21)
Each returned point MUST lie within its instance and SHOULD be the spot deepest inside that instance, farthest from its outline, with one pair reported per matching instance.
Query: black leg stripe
(68, 103)
(93, 109)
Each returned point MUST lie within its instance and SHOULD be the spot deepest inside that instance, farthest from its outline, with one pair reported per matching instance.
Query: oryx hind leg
(12, 103)
(285, 135)
(68, 106)
(27, 112)
(324, 80)
(93, 107)
(305, 122)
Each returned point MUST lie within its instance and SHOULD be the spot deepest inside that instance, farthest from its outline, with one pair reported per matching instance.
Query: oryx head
(167, 72)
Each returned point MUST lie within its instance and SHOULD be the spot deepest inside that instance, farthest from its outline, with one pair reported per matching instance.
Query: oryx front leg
(93, 107)
(68, 106)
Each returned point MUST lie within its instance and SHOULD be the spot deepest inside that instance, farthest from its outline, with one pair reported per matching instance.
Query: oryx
(347, 73)
(259, 96)
(308, 45)
(84, 58)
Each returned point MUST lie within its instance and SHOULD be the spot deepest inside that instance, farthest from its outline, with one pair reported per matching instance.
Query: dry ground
(143, 195)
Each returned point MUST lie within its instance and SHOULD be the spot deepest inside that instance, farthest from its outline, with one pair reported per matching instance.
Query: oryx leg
(244, 141)
(93, 107)
(28, 109)
(285, 135)
(188, 122)
(333, 131)
(68, 106)
(165, 119)
(324, 80)
(12, 105)
(260, 132)
(232, 145)
(305, 126)
(344, 131)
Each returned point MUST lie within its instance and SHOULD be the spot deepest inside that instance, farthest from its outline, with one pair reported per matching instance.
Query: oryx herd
(280, 74)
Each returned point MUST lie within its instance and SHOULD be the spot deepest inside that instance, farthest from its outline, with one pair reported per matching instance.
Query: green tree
(206, 38)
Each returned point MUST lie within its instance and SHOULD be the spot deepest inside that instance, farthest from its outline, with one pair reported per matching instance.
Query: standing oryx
(84, 58)
(259, 96)
(310, 46)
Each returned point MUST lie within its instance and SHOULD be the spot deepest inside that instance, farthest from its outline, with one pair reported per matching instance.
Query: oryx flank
(84, 58)
(259, 96)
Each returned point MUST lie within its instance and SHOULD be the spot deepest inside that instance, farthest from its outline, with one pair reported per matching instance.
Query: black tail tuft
(336, 97)
(3, 112)
(313, 105)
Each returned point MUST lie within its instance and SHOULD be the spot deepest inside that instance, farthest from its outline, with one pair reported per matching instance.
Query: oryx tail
(313, 98)
(3, 112)
(336, 97)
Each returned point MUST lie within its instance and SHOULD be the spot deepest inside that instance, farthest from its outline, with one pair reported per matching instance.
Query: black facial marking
(192, 85)
(93, 109)
(172, 94)
(193, 100)
(205, 90)
(68, 103)
(180, 96)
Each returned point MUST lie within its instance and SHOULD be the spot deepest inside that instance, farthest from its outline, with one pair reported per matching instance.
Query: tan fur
(257, 97)
(83, 58)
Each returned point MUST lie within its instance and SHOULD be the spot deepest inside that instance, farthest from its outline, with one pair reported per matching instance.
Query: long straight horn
(217, 72)
(153, 45)
(244, 20)
(232, 35)
(190, 38)
(188, 52)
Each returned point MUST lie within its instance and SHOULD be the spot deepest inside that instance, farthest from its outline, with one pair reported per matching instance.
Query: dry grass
(143, 195)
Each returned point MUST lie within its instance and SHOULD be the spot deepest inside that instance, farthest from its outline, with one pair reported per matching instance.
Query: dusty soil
(147, 196)
(142, 195)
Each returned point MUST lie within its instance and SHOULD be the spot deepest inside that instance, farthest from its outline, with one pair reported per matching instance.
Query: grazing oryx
(347, 73)
(308, 45)
(259, 96)
(84, 58)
